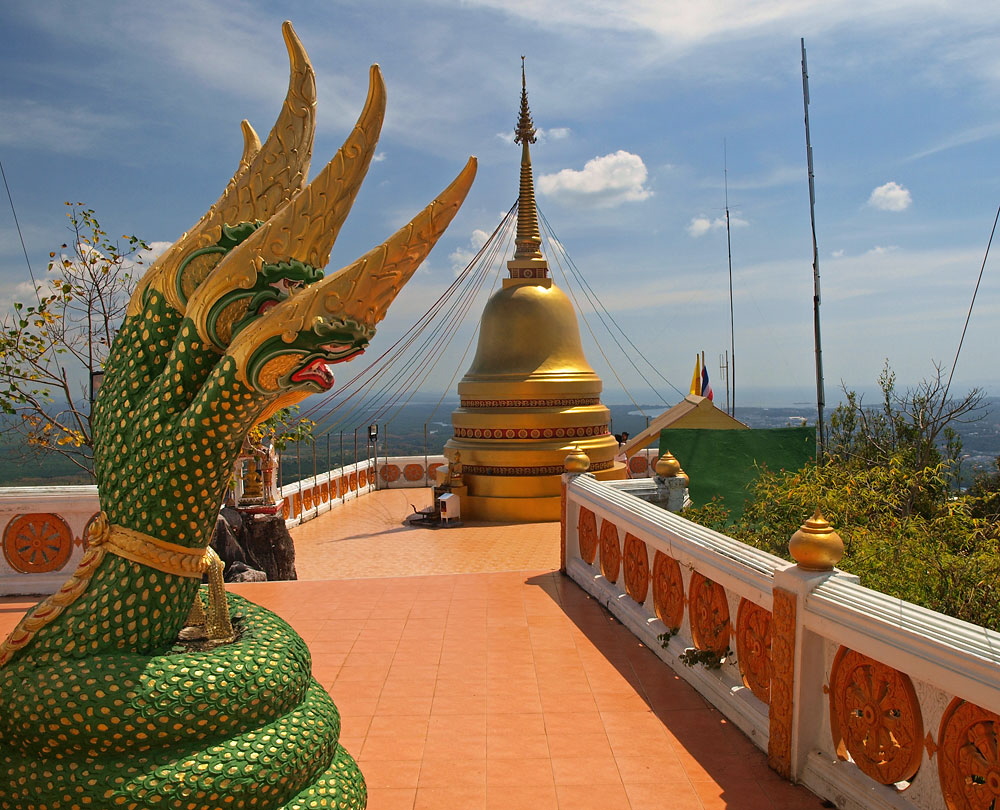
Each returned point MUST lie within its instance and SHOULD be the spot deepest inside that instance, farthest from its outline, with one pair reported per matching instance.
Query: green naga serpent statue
(102, 705)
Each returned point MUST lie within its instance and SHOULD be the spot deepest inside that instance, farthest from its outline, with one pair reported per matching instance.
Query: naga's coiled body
(243, 725)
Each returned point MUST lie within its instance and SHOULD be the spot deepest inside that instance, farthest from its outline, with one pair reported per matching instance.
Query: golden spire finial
(525, 130)
(528, 262)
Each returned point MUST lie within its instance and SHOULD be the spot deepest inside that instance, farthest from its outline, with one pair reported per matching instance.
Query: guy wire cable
(402, 359)
(596, 302)
(968, 316)
(466, 286)
(376, 368)
(444, 335)
(31, 275)
(597, 343)
(437, 352)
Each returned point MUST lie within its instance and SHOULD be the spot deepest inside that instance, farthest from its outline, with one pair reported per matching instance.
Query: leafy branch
(50, 350)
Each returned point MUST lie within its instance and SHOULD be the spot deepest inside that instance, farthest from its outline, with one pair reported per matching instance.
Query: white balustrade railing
(869, 701)
(43, 529)
(41, 535)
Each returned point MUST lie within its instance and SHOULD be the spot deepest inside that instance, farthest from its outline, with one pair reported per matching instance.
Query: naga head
(249, 274)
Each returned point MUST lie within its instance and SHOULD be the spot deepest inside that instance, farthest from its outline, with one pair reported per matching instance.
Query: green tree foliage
(50, 350)
(886, 487)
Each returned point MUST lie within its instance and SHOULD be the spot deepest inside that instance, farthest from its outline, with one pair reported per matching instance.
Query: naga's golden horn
(258, 188)
(363, 290)
(305, 228)
(251, 146)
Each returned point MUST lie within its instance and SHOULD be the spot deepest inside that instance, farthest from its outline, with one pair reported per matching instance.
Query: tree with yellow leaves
(52, 352)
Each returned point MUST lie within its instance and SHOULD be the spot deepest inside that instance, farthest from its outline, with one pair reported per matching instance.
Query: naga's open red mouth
(314, 372)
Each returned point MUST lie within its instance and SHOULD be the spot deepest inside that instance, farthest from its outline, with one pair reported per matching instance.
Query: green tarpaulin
(724, 463)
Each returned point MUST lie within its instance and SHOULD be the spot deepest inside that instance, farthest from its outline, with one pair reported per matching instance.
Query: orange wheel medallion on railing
(753, 648)
(668, 590)
(389, 473)
(710, 626)
(636, 560)
(37, 543)
(969, 757)
(875, 717)
(413, 472)
(637, 465)
(611, 553)
(587, 531)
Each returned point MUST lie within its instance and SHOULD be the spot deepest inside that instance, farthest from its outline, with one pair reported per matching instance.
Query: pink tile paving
(508, 688)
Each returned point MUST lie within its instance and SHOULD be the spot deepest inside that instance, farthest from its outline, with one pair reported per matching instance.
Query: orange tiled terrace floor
(506, 689)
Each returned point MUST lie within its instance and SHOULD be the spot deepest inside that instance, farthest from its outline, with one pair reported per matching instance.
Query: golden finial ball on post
(816, 546)
(667, 466)
(577, 461)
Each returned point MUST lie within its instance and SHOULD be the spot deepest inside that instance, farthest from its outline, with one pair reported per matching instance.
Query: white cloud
(890, 197)
(461, 257)
(699, 226)
(66, 130)
(881, 250)
(604, 182)
(557, 133)
(962, 138)
(691, 24)
(156, 249)
(378, 157)
(837, 254)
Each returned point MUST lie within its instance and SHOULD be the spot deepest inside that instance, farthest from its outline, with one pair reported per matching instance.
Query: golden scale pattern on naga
(122, 690)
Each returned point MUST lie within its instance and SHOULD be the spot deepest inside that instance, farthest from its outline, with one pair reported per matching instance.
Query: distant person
(622, 441)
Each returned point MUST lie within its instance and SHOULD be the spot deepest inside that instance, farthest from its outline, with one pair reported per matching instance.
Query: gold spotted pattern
(196, 270)
(141, 548)
(120, 721)
(230, 314)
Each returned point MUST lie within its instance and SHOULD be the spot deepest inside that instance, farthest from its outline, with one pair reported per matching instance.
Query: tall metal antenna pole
(729, 248)
(820, 391)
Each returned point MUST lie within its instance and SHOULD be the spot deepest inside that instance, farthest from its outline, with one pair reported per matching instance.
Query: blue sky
(134, 108)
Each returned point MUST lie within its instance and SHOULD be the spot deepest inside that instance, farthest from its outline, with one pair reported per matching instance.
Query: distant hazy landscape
(423, 428)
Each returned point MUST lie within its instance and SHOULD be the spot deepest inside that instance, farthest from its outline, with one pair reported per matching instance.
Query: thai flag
(706, 386)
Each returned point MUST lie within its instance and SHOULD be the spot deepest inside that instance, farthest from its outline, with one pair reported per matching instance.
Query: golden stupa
(530, 397)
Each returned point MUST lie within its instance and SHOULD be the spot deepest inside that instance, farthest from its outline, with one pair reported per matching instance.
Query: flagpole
(820, 391)
(731, 373)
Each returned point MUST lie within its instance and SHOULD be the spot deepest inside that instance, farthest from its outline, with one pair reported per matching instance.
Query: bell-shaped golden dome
(529, 332)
